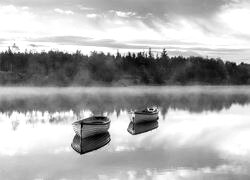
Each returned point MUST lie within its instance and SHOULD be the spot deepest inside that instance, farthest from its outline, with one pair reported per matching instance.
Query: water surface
(202, 133)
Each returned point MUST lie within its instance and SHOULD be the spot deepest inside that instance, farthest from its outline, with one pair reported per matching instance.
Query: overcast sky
(214, 28)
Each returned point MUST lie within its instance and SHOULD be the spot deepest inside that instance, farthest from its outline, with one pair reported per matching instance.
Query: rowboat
(91, 143)
(145, 115)
(139, 128)
(91, 126)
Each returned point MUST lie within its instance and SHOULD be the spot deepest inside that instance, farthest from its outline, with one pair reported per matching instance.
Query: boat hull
(85, 130)
(139, 118)
(91, 126)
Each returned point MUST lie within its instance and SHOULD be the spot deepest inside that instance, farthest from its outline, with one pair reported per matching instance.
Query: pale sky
(213, 28)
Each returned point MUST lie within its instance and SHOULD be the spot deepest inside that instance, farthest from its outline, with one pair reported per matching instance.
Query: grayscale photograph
(124, 90)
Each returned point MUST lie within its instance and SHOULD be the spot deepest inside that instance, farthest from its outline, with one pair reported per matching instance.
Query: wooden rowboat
(91, 143)
(139, 128)
(145, 115)
(91, 126)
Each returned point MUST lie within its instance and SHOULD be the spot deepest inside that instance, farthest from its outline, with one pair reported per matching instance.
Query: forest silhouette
(55, 68)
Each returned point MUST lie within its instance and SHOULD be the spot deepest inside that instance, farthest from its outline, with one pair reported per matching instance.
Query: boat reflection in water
(138, 128)
(91, 143)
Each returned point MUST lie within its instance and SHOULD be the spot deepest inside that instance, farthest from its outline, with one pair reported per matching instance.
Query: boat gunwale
(94, 122)
(146, 113)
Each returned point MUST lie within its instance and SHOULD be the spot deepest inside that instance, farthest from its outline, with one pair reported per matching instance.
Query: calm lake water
(203, 133)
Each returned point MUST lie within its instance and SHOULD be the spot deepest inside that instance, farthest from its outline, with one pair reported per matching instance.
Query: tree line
(55, 68)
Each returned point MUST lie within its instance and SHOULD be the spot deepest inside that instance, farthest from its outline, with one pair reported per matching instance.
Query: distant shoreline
(62, 69)
(141, 89)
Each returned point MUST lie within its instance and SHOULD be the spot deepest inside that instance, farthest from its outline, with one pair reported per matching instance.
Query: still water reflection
(91, 143)
(203, 133)
(142, 127)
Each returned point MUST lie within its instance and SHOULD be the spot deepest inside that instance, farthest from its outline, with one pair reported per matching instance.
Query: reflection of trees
(15, 125)
(110, 102)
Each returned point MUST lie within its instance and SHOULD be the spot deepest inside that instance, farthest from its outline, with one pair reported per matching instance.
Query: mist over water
(202, 133)
(105, 99)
